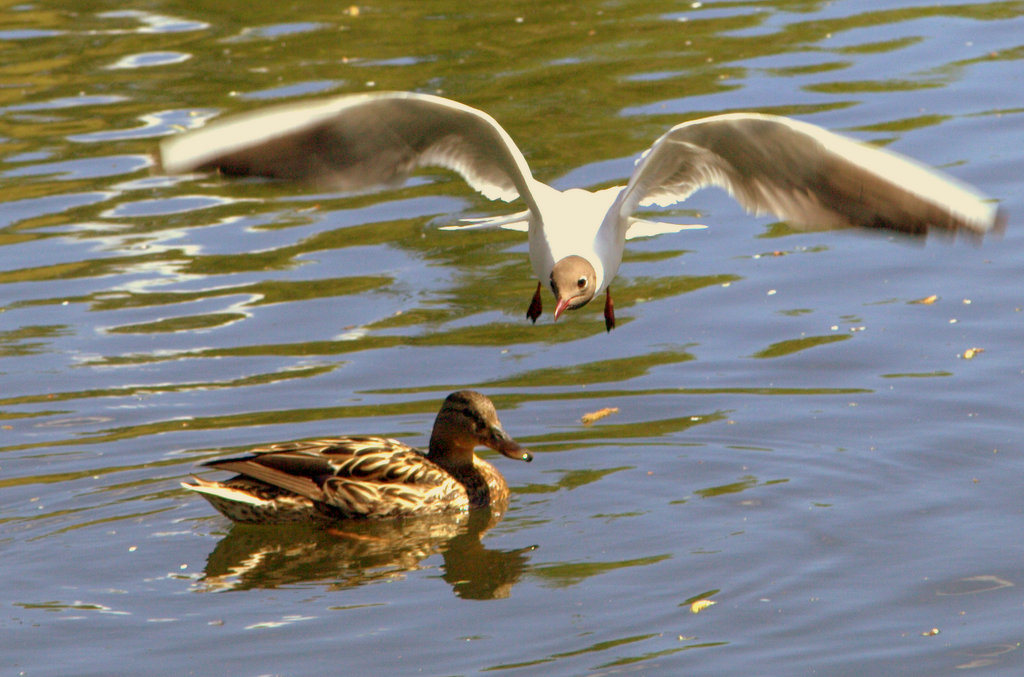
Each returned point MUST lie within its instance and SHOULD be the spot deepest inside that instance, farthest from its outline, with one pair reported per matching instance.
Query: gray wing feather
(357, 141)
(803, 174)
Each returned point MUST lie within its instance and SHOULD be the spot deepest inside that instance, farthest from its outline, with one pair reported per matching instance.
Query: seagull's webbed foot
(533, 312)
(609, 311)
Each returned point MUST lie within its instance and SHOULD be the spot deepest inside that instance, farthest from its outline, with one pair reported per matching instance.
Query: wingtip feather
(206, 488)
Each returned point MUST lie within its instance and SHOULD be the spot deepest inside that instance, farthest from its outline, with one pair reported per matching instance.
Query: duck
(797, 171)
(358, 477)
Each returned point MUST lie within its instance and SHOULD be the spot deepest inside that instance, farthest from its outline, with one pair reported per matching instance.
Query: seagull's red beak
(562, 306)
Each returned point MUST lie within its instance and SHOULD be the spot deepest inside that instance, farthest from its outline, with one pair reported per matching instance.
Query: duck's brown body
(369, 477)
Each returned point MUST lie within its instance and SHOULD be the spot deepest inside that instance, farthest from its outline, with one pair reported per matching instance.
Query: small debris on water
(700, 605)
(587, 419)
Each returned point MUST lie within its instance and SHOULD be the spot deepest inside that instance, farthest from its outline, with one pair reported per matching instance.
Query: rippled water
(797, 437)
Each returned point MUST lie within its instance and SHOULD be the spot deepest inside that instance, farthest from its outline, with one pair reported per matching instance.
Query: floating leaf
(700, 605)
(598, 415)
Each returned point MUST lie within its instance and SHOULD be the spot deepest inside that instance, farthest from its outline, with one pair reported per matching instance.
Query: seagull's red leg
(609, 311)
(533, 312)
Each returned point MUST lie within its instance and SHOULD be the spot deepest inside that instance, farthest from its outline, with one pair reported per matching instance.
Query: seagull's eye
(581, 283)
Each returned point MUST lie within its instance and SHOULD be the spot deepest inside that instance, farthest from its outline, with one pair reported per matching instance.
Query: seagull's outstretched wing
(520, 221)
(356, 141)
(805, 175)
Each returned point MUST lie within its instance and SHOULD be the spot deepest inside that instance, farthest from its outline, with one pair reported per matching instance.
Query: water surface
(798, 437)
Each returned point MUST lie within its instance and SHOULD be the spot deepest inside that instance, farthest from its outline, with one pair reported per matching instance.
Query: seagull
(799, 172)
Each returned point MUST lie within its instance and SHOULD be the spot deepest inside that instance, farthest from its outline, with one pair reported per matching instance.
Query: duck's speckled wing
(355, 476)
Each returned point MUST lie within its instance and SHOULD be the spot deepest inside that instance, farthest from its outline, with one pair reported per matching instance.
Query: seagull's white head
(574, 283)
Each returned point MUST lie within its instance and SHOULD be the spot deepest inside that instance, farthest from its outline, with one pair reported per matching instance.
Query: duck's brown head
(468, 419)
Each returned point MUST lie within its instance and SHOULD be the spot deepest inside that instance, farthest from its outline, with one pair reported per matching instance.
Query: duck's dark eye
(581, 283)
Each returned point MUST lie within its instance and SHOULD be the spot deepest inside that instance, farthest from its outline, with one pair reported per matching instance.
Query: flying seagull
(799, 172)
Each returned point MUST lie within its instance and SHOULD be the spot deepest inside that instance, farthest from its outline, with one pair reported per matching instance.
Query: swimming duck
(360, 477)
(799, 172)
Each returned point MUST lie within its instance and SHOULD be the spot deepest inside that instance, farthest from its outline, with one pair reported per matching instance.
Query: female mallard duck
(346, 477)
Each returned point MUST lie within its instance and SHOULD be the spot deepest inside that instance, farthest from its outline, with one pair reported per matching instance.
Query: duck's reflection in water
(355, 552)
